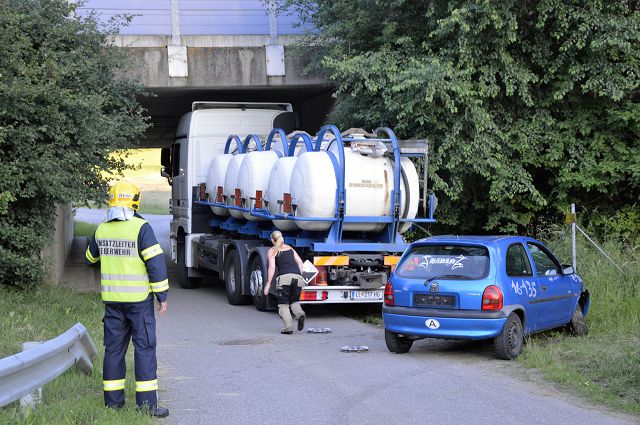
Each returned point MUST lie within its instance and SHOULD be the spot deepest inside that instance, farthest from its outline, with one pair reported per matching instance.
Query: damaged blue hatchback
(481, 287)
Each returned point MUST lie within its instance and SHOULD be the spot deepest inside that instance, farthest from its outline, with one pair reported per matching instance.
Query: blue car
(481, 287)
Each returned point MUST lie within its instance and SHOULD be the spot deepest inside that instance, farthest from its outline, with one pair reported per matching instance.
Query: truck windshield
(442, 261)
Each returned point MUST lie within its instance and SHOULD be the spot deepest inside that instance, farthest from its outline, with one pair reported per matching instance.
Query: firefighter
(132, 273)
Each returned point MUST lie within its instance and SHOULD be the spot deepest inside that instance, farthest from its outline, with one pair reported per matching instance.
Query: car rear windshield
(442, 261)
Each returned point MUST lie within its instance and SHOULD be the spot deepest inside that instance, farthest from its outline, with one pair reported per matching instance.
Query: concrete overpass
(188, 50)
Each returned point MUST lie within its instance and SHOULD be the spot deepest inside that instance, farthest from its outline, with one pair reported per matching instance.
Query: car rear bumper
(452, 324)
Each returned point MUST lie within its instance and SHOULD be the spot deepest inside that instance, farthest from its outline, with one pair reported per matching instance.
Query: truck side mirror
(165, 161)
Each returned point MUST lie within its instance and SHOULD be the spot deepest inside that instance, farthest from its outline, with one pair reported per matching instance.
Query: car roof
(474, 239)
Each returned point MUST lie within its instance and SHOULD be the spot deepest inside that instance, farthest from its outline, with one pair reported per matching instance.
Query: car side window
(518, 261)
(545, 264)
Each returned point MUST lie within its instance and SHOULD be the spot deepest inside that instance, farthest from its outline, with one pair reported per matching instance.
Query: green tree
(529, 105)
(63, 108)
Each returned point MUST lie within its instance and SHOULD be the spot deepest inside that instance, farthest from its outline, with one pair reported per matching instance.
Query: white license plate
(366, 295)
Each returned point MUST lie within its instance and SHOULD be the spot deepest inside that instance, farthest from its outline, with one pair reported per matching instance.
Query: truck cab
(201, 134)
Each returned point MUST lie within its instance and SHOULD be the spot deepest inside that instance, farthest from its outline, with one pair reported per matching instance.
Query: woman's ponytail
(277, 240)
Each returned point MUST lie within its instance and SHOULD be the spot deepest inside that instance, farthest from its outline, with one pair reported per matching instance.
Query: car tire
(233, 279)
(578, 324)
(184, 280)
(397, 344)
(509, 342)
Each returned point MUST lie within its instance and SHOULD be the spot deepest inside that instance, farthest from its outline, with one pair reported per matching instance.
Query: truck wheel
(257, 281)
(397, 344)
(233, 279)
(508, 343)
(184, 280)
(578, 324)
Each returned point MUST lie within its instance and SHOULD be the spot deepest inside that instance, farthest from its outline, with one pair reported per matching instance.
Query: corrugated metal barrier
(29, 370)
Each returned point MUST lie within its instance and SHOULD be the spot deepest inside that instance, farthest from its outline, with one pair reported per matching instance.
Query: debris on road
(354, 348)
(319, 330)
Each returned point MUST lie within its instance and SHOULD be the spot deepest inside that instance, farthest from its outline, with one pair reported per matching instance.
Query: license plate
(366, 295)
(438, 300)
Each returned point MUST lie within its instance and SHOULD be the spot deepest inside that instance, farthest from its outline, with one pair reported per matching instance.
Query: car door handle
(544, 288)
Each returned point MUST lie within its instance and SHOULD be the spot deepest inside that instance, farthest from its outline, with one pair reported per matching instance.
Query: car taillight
(492, 298)
(388, 294)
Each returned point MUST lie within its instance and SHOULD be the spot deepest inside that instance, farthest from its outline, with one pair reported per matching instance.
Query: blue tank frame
(332, 240)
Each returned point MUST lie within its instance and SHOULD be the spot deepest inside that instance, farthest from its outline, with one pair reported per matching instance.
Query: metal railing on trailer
(389, 240)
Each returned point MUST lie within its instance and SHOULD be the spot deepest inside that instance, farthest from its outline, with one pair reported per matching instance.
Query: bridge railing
(31, 369)
(204, 17)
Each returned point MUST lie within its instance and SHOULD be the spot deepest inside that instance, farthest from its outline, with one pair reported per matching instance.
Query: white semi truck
(237, 173)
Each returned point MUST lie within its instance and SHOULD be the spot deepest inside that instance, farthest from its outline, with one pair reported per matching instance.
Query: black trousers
(124, 322)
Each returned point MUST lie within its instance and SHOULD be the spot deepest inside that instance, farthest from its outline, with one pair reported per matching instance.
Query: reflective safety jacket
(131, 261)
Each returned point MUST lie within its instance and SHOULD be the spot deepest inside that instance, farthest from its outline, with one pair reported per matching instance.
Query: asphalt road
(223, 364)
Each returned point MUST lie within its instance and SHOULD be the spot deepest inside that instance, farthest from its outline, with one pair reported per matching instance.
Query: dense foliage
(529, 105)
(63, 108)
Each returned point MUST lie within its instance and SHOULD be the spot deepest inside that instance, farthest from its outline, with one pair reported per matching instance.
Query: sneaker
(159, 412)
(301, 322)
(286, 332)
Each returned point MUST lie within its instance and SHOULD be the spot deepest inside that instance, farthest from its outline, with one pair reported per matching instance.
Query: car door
(523, 285)
(556, 291)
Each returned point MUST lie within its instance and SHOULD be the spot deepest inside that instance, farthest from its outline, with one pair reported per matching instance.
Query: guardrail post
(33, 399)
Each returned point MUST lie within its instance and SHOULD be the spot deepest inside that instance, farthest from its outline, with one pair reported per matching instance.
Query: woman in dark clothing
(289, 281)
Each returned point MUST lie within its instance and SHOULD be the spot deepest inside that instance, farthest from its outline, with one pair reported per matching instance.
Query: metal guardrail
(29, 370)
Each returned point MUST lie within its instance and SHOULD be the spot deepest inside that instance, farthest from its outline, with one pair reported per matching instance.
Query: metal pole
(175, 23)
(600, 249)
(573, 238)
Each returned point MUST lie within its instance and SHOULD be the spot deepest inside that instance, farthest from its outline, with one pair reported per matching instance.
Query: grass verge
(72, 398)
(605, 365)
(82, 228)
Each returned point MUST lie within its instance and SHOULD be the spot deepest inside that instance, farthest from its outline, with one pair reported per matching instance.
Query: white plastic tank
(215, 178)
(231, 182)
(279, 184)
(368, 186)
(253, 175)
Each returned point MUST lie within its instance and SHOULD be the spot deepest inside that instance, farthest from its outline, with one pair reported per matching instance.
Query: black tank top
(286, 263)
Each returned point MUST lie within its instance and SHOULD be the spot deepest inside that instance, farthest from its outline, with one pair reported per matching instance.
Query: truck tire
(509, 342)
(578, 324)
(397, 344)
(184, 280)
(233, 279)
(257, 281)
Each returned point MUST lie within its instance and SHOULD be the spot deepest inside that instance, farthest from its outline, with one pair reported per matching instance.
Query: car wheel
(184, 280)
(508, 343)
(578, 324)
(397, 344)
(233, 280)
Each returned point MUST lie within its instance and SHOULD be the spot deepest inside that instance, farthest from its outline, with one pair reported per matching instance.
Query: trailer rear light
(238, 197)
(219, 197)
(287, 206)
(388, 294)
(258, 199)
(492, 298)
(321, 277)
(313, 295)
(202, 192)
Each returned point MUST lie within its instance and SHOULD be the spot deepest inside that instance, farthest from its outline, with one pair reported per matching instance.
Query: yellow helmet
(124, 194)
